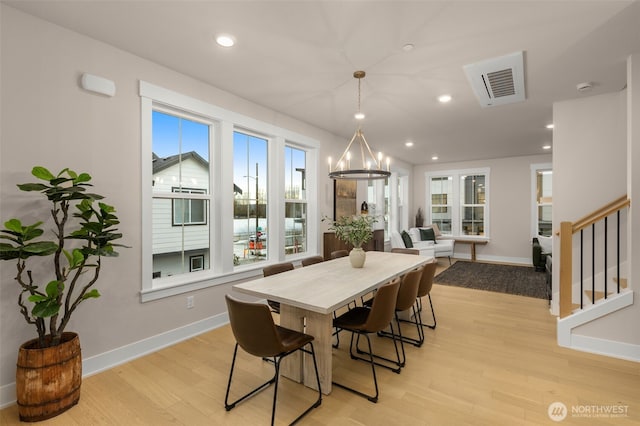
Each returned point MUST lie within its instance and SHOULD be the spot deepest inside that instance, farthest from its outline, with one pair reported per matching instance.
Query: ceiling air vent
(498, 81)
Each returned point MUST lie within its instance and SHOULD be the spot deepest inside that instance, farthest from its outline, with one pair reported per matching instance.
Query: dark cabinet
(330, 243)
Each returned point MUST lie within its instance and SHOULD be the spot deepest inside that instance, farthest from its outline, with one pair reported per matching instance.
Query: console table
(473, 243)
(331, 243)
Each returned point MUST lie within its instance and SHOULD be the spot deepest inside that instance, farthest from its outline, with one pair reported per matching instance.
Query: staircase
(593, 269)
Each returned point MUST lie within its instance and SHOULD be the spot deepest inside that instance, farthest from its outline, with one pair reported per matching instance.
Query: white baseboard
(499, 259)
(621, 350)
(110, 359)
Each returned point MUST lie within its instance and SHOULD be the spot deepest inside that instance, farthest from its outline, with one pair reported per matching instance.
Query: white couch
(443, 247)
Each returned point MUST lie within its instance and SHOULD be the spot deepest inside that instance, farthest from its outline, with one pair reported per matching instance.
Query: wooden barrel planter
(48, 380)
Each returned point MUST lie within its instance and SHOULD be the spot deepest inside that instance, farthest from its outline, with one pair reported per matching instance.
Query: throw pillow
(436, 230)
(546, 243)
(407, 239)
(427, 234)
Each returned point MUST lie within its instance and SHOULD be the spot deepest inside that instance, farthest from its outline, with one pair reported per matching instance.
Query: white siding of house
(166, 237)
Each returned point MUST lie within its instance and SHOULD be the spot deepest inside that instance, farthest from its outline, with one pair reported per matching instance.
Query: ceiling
(298, 59)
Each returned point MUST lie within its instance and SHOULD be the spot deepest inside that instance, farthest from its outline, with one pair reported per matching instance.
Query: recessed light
(408, 47)
(225, 40)
(434, 158)
(546, 146)
(444, 98)
(359, 115)
(408, 144)
(550, 126)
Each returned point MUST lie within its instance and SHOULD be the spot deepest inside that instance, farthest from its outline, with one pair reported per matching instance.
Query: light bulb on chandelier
(365, 171)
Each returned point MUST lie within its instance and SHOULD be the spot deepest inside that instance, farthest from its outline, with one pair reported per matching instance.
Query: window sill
(174, 289)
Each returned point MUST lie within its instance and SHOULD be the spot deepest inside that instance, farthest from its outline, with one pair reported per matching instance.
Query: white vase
(357, 256)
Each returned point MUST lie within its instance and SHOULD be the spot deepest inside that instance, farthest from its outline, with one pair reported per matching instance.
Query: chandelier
(369, 167)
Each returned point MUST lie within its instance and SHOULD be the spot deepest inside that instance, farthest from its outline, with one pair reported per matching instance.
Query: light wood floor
(493, 360)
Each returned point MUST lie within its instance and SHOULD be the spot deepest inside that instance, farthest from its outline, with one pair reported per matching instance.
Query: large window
(295, 200)
(208, 215)
(378, 203)
(441, 197)
(180, 165)
(472, 204)
(542, 177)
(459, 202)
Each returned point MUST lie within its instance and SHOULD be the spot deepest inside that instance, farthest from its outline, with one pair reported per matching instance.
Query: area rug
(519, 280)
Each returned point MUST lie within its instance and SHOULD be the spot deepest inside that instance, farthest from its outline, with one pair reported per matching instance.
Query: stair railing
(567, 232)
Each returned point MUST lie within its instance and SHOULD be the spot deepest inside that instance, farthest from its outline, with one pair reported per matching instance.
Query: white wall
(47, 119)
(590, 170)
(510, 205)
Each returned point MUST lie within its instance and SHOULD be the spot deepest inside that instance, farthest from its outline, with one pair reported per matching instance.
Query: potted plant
(355, 230)
(81, 238)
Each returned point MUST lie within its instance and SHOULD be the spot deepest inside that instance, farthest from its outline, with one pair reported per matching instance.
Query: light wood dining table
(308, 297)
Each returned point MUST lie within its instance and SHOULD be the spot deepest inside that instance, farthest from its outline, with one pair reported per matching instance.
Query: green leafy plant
(75, 269)
(355, 230)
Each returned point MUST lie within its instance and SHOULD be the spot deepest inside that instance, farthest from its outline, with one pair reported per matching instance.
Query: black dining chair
(256, 333)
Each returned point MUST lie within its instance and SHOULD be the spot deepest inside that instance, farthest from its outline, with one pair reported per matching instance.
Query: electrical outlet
(189, 302)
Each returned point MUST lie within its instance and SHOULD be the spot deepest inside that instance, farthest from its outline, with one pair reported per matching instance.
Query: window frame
(219, 213)
(456, 204)
(190, 191)
(535, 168)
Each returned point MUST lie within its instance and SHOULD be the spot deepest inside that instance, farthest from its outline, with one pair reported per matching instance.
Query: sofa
(541, 248)
(440, 247)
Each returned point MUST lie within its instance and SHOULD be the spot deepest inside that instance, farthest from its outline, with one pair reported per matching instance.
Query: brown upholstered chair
(405, 250)
(311, 260)
(406, 299)
(364, 321)
(426, 283)
(339, 253)
(256, 333)
(272, 270)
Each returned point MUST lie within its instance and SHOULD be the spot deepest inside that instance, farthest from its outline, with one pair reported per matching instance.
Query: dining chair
(406, 299)
(426, 284)
(338, 253)
(272, 270)
(256, 333)
(364, 321)
(405, 250)
(311, 260)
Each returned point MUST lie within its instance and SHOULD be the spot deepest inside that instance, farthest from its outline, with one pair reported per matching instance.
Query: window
(197, 263)
(189, 212)
(206, 216)
(295, 196)
(441, 197)
(542, 177)
(472, 204)
(378, 203)
(180, 153)
(459, 202)
(250, 203)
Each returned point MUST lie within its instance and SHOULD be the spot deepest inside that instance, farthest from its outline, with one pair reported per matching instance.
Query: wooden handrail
(567, 229)
(601, 213)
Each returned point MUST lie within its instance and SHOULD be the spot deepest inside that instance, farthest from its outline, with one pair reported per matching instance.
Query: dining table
(310, 295)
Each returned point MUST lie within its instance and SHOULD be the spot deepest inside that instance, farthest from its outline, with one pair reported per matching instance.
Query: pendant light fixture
(369, 167)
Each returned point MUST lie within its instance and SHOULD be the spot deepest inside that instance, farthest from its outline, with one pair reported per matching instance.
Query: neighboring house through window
(197, 229)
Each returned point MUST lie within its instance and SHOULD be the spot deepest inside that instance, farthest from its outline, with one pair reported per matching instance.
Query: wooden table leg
(320, 327)
(298, 368)
(473, 251)
(292, 318)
